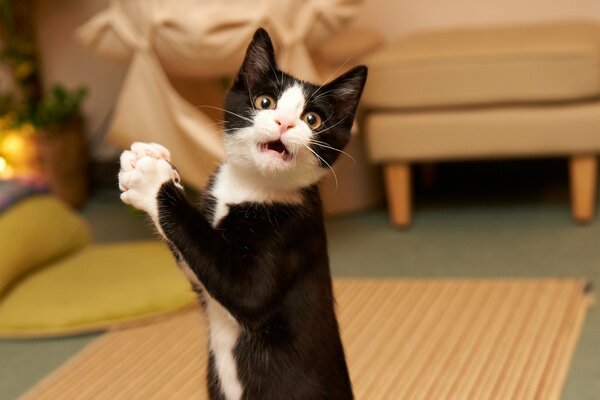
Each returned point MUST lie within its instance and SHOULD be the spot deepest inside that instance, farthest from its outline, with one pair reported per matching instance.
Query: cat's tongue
(276, 148)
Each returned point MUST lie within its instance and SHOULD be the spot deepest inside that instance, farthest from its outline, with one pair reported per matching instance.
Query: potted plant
(41, 132)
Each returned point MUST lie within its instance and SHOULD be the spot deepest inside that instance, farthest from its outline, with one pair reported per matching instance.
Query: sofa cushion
(543, 63)
(486, 132)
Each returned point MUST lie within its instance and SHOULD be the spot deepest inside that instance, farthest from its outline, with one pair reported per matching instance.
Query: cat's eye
(312, 119)
(264, 102)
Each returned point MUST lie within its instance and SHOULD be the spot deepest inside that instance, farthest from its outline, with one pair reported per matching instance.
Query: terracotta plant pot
(63, 158)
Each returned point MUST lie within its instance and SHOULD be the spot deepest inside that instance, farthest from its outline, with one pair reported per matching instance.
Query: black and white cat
(255, 249)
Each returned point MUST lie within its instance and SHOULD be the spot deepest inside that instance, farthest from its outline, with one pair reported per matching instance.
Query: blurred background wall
(58, 19)
(403, 17)
(65, 60)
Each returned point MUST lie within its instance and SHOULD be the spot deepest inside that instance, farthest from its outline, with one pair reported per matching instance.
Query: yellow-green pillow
(34, 232)
(95, 288)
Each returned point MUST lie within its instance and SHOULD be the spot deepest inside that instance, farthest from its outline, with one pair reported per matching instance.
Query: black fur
(268, 264)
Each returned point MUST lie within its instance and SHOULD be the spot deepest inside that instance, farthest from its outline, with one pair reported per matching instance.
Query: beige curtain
(203, 39)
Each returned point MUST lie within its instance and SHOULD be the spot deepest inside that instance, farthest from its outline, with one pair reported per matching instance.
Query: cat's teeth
(276, 148)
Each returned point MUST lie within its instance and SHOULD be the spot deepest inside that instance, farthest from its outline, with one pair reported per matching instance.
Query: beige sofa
(506, 92)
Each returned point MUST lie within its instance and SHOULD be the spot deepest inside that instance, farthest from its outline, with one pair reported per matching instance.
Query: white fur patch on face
(291, 104)
(246, 147)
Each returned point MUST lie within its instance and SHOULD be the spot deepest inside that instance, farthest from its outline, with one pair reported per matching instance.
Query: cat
(255, 248)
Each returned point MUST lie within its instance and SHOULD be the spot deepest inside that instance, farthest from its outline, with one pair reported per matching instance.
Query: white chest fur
(232, 188)
(223, 335)
(224, 332)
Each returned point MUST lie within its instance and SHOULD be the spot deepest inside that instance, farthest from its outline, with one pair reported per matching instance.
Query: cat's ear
(346, 89)
(259, 61)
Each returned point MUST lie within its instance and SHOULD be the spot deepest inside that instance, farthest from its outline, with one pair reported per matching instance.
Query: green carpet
(485, 220)
(26, 362)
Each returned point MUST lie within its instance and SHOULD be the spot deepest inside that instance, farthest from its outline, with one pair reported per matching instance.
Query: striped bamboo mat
(404, 339)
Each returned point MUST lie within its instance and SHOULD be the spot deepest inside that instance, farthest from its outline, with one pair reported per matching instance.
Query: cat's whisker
(329, 77)
(325, 93)
(326, 163)
(213, 124)
(321, 144)
(282, 71)
(229, 130)
(327, 119)
(332, 126)
(220, 124)
(250, 94)
(275, 74)
(227, 111)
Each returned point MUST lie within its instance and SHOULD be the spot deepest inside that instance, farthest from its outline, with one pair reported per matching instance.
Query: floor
(496, 219)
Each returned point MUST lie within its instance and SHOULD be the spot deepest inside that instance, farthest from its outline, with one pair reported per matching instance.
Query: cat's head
(281, 128)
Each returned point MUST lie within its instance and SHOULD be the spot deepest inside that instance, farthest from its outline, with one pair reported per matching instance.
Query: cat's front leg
(144, 169)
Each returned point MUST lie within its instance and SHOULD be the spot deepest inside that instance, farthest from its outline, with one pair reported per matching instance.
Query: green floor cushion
(34, 232)
(94, 288)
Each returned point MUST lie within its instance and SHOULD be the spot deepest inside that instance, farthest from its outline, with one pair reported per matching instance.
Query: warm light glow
(13, 144)
(17, 148)
(6, 171)
(9, 172)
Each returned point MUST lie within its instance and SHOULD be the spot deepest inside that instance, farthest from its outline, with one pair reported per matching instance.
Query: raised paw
(144, 169)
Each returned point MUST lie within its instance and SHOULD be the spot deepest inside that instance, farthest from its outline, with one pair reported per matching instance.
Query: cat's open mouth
(276, 148)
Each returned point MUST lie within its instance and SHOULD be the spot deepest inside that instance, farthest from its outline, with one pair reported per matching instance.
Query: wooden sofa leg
(583, 177)
(399, 193)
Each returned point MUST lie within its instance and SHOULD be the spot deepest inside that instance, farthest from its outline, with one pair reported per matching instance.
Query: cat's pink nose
(284, 125)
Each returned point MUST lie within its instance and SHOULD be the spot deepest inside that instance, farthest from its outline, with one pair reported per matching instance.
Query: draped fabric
(198, 39)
